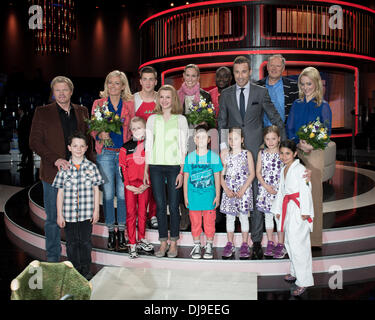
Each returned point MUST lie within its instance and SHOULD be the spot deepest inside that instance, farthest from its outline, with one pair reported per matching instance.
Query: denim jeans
(108, 165)
(78, 245)
(158, 176)
(51, 229)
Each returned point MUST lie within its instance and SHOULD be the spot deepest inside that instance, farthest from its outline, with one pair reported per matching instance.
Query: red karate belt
(286, 200)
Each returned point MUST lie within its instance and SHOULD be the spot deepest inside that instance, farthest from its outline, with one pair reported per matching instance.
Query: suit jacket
(47, 137)
(290, 87)
(259, 102)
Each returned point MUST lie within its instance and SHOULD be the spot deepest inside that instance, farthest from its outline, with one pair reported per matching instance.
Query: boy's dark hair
(201, 127)
(148, 69)
(77, 135)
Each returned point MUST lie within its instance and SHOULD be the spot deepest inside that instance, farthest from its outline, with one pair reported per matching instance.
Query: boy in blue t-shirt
(202, 191)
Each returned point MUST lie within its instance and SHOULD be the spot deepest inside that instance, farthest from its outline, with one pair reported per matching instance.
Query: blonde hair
(273, 128)
(176, 104)
(193, 66)
(313, 74)
(137, 119)
(62, 79)
(126, 94)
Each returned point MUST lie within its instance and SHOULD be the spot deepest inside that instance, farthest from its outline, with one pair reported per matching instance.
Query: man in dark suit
(51, 127)
(243, 105)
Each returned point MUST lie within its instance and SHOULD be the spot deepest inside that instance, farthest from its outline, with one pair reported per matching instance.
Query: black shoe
(88, 276)
(86, 273)
(111, 241)
(257, 253)
(185, 220)
(121, 241)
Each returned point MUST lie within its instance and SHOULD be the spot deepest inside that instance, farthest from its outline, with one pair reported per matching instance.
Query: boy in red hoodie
(132, 164)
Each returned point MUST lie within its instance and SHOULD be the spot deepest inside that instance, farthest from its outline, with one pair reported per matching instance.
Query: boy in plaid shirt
(78, 203)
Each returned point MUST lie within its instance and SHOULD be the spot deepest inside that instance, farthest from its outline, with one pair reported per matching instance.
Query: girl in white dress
(294, 211)
(268, 170)
(237, 199)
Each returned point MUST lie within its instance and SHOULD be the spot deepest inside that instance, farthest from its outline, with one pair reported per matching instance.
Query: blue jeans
(108, 165)
(158, 176)
(51, 229)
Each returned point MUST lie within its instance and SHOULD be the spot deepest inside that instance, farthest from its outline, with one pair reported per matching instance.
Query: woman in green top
(166, 138)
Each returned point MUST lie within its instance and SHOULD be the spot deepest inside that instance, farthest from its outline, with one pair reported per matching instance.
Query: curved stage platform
(348, 236)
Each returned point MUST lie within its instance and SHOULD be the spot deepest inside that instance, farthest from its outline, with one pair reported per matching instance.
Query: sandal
(172, 253)
(298, 291)
(162, 252)
(289, 278)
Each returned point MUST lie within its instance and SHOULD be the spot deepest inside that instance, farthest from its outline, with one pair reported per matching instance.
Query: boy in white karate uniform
(293, 208)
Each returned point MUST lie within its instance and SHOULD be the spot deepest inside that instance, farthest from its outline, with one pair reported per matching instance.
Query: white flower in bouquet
(105, 107)
(98, 115)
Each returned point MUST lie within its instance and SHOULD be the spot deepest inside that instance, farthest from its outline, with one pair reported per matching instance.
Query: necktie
(242, 103)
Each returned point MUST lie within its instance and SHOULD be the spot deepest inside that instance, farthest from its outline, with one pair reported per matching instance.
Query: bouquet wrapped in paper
(104, 120)
(202, 112)
(314, 133)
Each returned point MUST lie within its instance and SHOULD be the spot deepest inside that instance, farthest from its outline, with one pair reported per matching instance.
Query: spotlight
(172, 4)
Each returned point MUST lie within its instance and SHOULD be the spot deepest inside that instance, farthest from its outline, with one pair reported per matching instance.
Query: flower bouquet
(202, 112)
(314, 133)
(104, 120)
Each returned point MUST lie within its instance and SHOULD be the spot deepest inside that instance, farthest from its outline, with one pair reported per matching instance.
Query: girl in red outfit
(137, 194)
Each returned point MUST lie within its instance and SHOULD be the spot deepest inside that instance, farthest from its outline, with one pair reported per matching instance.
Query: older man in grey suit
(243, 105)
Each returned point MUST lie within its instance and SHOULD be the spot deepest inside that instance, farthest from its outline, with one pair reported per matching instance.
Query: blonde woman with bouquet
(306, 109)
(117, 98)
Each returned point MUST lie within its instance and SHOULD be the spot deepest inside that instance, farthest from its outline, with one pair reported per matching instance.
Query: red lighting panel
(210, 3)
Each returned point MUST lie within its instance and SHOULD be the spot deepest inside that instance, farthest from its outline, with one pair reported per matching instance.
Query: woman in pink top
(120, 101)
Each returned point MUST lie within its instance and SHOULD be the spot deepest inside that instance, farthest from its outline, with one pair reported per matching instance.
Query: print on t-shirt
(201, 176)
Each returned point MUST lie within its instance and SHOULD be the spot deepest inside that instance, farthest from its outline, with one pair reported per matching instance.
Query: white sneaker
(196, 253)
(144, 245)
(133, 251)
(208, 254)
(154, 222)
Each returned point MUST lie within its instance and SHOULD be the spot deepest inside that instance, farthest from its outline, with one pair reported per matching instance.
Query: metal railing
(239, 25)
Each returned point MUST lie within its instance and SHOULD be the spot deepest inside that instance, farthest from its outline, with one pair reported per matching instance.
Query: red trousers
(209, 218)
(136, 206)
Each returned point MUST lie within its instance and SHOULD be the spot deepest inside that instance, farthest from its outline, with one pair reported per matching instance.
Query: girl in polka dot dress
(237, 200)
(268, 170)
